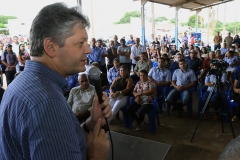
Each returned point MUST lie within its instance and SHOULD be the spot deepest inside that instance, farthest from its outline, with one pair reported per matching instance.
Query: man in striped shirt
(35, 119)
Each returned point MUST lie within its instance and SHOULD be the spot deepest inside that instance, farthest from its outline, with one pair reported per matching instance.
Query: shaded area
(208, 143)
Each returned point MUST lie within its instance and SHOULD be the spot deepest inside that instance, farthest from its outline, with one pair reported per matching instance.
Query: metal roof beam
(211, 5)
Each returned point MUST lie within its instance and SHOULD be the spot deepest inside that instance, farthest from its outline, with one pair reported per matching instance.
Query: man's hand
(98, 144)
(103, 110)
(180, 88)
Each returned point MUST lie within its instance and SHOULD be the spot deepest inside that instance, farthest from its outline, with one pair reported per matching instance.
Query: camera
(219, 67)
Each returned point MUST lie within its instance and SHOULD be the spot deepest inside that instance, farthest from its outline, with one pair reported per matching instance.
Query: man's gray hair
(56, 22)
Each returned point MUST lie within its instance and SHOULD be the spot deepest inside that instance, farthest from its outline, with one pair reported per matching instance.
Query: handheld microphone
(94, 74)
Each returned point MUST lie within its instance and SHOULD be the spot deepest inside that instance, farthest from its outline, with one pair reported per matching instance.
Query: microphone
(94, 74)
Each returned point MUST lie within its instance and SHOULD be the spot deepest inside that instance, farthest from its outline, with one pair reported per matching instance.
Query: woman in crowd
(144, 93)
(232, 62)
(120, 90)
(184, 47)
(204, 52)
(22, 56)
(181, 51)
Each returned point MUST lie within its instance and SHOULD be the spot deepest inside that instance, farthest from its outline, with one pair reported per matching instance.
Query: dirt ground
(208, 143)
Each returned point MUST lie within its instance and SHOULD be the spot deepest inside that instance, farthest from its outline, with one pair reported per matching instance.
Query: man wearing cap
(217, 41)
(114, 71)
(9, 59)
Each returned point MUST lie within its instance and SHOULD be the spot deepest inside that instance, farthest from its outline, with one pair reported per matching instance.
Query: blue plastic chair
(152, 115)
(125, 113)
(154, 64)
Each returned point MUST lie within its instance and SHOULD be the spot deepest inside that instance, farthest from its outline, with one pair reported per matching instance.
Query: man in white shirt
(81, 98)
(135, 52)
(15, 48)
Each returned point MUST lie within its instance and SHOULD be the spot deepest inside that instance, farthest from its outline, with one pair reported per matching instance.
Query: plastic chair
(154, 64)
(125, 112)
(152, 115)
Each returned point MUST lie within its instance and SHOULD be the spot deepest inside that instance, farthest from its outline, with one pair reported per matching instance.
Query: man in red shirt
(192, 39)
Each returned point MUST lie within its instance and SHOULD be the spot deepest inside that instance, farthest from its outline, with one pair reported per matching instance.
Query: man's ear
(50, 47)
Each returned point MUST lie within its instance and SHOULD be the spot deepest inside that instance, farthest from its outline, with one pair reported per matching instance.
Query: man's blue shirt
(35, 119)
(95, 56)
(113, 73)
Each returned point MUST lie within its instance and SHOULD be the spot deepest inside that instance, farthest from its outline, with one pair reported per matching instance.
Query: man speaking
(35, 119)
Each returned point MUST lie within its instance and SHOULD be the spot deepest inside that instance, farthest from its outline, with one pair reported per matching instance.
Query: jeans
(217, 46)
(174, 95)
(215, 100)
(142, 110)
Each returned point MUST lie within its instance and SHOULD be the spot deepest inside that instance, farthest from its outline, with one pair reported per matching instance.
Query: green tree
(231, 27)
(172, 21)
(160, 19)
(127, 16)
(192, 20)
(4, 19)
(2, 25)
(4, 31)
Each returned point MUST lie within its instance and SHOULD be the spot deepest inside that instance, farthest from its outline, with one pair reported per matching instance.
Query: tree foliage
(4, 31)
(2, 25)
(4, 19)
(160, 19)
(127, 16)
(172, 21)
(192, 20)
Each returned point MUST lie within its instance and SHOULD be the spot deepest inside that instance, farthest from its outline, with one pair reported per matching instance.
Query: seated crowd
(144, 74)
(181, 70)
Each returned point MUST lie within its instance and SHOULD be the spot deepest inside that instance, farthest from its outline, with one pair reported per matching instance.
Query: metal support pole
(79, 2)
(153, 19)
(143, 2)
(196, 22)
(176, 26)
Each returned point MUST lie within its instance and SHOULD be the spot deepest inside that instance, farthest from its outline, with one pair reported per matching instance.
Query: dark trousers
(141, 109)
(135, 78)
(133, 66)
(103, 69)
(237, 99)
(215, 100)
(109, 66)
(217, 46)
(10, 76)
(128, 65)
(21, 68)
